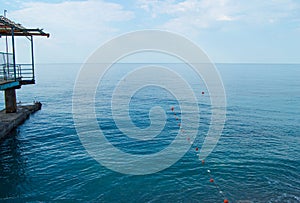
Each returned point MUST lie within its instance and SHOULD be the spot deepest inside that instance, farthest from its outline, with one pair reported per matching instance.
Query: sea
(256, 159)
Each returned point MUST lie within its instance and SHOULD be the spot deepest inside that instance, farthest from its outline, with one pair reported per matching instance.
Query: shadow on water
(12, 166)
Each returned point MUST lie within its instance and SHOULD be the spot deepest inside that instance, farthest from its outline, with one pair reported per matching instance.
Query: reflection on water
(12, 166)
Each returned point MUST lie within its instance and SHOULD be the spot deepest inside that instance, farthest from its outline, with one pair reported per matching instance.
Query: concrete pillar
(10, 101)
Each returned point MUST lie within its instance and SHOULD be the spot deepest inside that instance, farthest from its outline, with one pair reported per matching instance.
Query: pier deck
(10, 121)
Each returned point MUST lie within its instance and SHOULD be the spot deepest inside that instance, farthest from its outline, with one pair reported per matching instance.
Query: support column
(32, 58)
(10, 101)
(14, 51)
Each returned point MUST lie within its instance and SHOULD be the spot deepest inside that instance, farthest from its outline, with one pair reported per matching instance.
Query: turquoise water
(257, 158)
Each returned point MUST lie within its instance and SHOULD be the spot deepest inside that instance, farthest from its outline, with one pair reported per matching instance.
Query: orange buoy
(211, 180)
(226, 201)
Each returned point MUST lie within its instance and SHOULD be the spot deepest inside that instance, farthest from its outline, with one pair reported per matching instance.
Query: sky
(228, 31)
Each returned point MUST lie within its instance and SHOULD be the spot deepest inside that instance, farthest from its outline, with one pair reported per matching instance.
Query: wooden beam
(7, 33)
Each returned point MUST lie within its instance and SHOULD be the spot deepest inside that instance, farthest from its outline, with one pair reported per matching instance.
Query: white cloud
(225, 18)
(192, 16)
(76, 28)
(268, 12)
(79, 27)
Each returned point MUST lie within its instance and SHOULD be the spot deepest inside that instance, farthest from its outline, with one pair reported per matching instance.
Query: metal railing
(7, 72)
(19, 72)
(6, 58)
(25, 72)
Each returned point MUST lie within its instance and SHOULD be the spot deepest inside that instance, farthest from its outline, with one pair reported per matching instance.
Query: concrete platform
(9, 121)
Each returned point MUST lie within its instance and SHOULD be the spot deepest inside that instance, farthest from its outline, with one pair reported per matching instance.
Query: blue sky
(234, 31)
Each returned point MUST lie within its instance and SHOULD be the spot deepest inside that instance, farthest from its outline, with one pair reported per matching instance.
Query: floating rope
(211, 179)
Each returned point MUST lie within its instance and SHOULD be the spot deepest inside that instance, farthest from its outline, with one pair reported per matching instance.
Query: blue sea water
(257, 158)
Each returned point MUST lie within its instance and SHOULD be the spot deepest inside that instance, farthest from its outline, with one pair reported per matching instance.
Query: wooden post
(10, 101)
